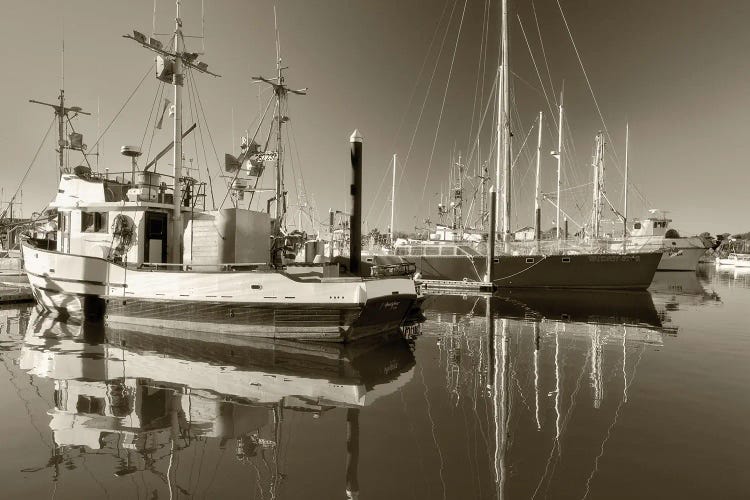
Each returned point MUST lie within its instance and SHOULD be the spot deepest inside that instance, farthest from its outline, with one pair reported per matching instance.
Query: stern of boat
(386, 303)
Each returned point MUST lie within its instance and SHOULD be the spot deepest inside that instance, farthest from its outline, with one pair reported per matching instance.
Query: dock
(467, 286)
(15, 292)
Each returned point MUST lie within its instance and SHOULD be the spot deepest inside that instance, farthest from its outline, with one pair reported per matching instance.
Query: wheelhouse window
(637, 225)
(93, 222)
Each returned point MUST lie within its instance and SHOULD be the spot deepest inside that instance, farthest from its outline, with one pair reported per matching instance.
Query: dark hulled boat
(462, 262)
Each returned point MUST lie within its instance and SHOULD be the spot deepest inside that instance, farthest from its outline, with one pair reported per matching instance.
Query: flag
(167, 102)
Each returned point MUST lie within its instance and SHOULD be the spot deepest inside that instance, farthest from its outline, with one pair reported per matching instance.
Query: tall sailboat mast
(598, 165)
(393, 196)
(559, 155)
(625, 207)
(537, 192)
(504, 118)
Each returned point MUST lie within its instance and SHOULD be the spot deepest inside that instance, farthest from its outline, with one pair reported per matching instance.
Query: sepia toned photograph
(375, 249)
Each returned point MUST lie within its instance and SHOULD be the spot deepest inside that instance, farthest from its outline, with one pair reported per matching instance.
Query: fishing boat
(140, 247)
(653, 233)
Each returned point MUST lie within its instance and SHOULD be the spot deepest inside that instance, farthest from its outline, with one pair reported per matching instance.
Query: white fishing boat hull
(682, 259)
(268, 304)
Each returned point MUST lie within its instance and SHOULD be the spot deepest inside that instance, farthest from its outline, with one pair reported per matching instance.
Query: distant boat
(734, 252)
(653, 233)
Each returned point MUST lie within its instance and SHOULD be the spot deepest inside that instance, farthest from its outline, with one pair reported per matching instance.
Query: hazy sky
(676, 70)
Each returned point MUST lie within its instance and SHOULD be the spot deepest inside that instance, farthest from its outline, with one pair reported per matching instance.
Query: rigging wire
(427, 93)
(482, 52)
(596, 103)
(536, 68)
(408, 106)
(157, 98)
(106, 129)
(544, 54)
(193, 107)
(236, 174)
(28, 169)
(205, 120)
(445, 94)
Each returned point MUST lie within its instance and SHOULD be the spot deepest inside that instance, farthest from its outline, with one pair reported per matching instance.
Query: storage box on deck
(227, 236)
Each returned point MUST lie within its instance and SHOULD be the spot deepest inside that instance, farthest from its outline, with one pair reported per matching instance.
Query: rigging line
(445, 94)
(160, 93)
(191, 100)
(377, 193)
(205, 120)
(596, 103)
(544, 54)
(481, 123)
(106, 129)
(536, 68)
(203, 142)
(151, 112)
(28, 169)
(293, 145)
(260, 123)
(479, 66)
(427, 94)
(411, 98)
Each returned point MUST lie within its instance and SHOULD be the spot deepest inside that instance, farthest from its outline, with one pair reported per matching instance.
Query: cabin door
(155, 248)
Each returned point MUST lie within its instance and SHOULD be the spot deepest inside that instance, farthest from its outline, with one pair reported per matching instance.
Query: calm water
(572, 395)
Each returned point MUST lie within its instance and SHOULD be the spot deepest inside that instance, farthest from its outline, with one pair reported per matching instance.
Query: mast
(537, 194)
(279, 97)
(505, 117)
(598, 165)
(559, 156)
(170, 68)
(175, 249)
(625, 207)
(499, 138)
(61, 142)
(458, 198)
(61, 112)
(393, 195)
(281, 91)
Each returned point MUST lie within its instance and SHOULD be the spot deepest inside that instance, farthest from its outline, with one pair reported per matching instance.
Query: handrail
(223, 264)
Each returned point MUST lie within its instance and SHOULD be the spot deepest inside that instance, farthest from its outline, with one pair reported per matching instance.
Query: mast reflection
(544, 352)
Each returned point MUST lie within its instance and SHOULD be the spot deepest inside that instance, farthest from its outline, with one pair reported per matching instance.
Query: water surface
(522, 395)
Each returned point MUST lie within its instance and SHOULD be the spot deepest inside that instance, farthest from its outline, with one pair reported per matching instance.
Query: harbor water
(520, 395)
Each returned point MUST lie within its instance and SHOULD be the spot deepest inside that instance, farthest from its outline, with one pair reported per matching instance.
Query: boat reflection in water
(146, 397)
(584, 306)
(528, 360)
(729, 275)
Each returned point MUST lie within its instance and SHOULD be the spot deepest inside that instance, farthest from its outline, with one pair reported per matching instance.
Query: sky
(415, 85)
